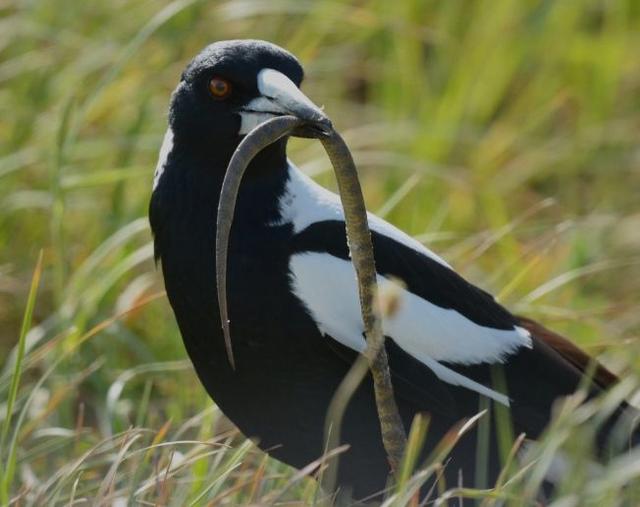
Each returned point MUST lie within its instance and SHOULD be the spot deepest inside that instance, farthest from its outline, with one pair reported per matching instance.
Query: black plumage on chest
(285, 369)
(183, 216)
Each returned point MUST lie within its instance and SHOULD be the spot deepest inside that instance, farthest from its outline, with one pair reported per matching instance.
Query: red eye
(219, 88)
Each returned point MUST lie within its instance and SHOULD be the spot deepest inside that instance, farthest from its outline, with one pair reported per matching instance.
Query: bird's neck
(190, 184)
(262, 186)
(183, 214)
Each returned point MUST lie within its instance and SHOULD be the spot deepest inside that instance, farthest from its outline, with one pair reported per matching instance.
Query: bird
(293, 297)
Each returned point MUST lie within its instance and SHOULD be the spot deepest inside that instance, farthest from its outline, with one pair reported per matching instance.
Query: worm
(253, 143)
(360, 246)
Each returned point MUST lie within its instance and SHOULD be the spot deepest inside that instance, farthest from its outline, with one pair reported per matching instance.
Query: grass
(502, 133)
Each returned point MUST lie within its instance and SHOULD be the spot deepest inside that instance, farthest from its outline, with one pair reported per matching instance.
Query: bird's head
(233, 86)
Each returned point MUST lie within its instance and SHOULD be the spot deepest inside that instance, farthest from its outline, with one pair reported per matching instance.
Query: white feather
(305, 202)
(327, 287)
(256, 112)
(250, 120)
(165, 149)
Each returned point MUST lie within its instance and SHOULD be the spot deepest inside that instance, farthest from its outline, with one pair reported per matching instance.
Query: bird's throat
(183, 214)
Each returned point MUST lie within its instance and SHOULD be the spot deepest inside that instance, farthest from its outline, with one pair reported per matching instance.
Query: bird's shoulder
(440, 317)
(317, 219)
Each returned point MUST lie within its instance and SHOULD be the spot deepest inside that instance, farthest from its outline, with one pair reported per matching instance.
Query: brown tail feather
(572, 353)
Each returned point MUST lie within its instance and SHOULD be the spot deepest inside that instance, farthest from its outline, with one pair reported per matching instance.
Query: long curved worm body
(360, 246)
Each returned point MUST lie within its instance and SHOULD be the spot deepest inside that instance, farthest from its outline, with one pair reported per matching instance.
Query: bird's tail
(622, 430)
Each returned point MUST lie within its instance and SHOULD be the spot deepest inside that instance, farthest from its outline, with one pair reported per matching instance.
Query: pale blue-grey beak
(280, 96)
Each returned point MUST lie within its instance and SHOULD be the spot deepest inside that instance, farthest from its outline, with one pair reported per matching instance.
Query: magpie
(293, 298)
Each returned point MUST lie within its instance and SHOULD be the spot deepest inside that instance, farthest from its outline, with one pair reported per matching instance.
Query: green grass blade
(6, 472)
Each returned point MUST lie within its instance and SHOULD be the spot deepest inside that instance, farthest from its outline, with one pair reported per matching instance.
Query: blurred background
(502, 133)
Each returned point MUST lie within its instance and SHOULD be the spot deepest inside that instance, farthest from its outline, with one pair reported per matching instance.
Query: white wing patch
(327, 287)
(304, 202)
(165, 149)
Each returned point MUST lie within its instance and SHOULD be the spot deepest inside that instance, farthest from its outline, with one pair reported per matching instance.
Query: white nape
(305, 202)
(165, 149)
(327, 286)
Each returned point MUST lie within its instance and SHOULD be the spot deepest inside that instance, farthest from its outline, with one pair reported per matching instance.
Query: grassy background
(503, 133)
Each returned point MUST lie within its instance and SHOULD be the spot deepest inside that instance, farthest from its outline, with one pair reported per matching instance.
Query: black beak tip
(315, 127)
(322, 126)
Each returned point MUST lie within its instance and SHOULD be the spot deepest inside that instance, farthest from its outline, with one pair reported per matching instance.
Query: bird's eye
(219, 88)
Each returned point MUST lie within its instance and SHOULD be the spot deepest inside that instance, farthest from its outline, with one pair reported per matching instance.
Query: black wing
(532, 377)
